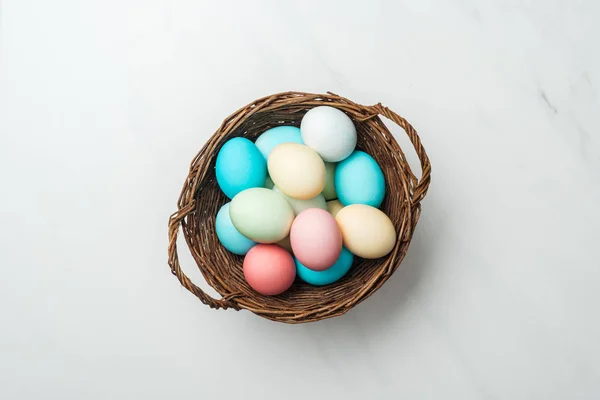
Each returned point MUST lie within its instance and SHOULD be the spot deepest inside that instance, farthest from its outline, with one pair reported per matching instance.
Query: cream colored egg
(300, 205)
(297, 170)
(367, 232)
(334, 206)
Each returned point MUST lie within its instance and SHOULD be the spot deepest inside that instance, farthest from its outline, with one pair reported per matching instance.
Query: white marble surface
(104, 103)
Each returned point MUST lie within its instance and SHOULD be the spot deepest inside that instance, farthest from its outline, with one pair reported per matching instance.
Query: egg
(269, 269)
(273, 137)
(330, 132)
(328, 276)
(334, 206)
(366, 230)
(229, 237)
(316, 239)
(300, 205)
(297, 170)
(240, 165)
(261, 215)
(329, 189)
(269, 182)
(285, 243)
(359, 180)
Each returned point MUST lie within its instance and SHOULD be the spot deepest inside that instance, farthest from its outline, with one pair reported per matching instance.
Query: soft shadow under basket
(201, 199)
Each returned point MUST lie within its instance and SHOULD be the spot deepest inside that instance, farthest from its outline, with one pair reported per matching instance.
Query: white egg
(329, 132)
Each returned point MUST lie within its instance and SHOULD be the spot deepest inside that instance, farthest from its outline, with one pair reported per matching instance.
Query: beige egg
(367, 232)
(334, 206)
(297, 170)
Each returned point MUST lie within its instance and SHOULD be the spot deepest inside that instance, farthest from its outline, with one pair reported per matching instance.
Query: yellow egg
(334, 207)
(297, 170)
(366, 230)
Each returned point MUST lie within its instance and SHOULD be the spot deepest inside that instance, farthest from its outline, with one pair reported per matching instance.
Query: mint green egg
(269, 182)
(261, 215)
(300, 205)
(329, 189)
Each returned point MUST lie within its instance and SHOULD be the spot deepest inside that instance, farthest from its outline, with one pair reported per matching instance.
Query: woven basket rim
(198, 193)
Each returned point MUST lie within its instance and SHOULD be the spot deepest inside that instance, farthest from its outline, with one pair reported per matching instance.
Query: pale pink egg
(316, 239)
(269, 269)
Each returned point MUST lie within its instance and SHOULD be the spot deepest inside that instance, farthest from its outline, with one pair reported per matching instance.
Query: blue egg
(275, 136)
(330, 275)
(359, 180)
(240, 166)
(229, 237)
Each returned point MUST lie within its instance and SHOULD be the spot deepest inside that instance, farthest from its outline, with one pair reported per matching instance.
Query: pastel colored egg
(329, 189)
(261, 215)
(316, 239)
(273, 137)
(334, 206)
(359, 180)
(269, 269)
(328, 276)
(269, 183)
(367, 231)
(285, 243)
(240, 165)
(229, 237)
(300, 205)
(330, 132)
(297, 170)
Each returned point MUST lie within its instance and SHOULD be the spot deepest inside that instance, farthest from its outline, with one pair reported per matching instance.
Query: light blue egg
(330, 275)
(229, 237)
(240, 166)
(359, 180)
(275, 136)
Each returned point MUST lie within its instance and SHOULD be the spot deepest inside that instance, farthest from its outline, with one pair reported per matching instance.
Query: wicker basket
(201, 198)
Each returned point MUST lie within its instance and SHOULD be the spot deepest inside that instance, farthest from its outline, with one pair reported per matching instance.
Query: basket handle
(175, 223)
(423, 184)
